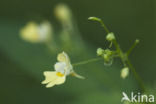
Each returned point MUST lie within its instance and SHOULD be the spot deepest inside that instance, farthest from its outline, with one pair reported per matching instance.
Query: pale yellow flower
(62, 69)
(36, 33)
(53, 78)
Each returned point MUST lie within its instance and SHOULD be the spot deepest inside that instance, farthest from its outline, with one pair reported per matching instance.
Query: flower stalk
(123, 56)
(87, 61)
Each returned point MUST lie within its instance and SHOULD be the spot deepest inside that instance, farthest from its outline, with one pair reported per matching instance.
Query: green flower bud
(110, 36)
(108, 57)
(108, 61)
(94, 19)
(137, 41)
(63, 13)
(99, 51)
(108, 52)
(124, 72)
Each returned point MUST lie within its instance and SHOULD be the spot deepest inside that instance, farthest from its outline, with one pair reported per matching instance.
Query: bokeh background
(22, 63)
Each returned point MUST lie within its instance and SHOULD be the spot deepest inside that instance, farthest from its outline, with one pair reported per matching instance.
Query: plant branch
(124, 57)
(104, 26)
(132, 47)
(87, 61)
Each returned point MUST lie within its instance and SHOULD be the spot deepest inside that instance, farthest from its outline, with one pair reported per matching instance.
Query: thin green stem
(120, 52)
(104, 26)
(100, 21)
(138, 78)
(87, 61)
(126, 61)
(132, 47)
(116, 45)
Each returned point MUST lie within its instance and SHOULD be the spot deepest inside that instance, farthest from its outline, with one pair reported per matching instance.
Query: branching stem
(132, 47)
(123, 56)
(125, 60)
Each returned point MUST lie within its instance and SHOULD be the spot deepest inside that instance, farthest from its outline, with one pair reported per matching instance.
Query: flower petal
(63, 57)
(45, 31)
(49, 76)
(30, 32)
(60, 66)
(58, 80)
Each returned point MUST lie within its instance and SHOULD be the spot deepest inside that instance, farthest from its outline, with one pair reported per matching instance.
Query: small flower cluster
(108, 55)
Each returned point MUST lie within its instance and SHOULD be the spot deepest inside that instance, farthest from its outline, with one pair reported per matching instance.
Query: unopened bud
(63, 13)
(94, 19)
(110, 36)
(99, 51)
(124, 72)
(137, 41)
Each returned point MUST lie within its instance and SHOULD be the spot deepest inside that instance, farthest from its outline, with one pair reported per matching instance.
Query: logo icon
(140, 98)
(125, 97)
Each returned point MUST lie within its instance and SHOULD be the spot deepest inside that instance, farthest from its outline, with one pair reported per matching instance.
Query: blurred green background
(22, 63)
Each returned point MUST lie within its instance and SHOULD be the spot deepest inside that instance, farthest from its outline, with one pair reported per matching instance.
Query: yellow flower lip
(59, 74)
